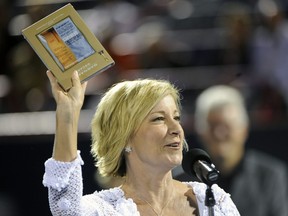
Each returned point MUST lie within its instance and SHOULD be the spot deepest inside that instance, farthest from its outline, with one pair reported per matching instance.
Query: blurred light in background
(124, 44)
(195, 43)
(18, 23)
(41, 2)
(37, 123)
(181, 9)
(268, 7)
(5, 85)
(35, 99)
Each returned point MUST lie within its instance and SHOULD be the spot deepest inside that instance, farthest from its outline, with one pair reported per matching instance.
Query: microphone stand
(210, 200)
(209, 175)
(198, 163)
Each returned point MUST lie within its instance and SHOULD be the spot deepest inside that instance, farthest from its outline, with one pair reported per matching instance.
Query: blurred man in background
(257, 182)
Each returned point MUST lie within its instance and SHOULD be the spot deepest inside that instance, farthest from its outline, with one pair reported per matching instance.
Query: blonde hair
(118, 116)
(215, 97)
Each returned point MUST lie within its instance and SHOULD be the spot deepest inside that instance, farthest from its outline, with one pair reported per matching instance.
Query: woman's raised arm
(68, 109)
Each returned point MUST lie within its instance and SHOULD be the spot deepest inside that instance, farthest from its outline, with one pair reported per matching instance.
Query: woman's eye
(160, 118)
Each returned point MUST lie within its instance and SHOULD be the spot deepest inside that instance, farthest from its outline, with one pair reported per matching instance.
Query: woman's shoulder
(200, 188)
(110, 195)
(223, 201)
(110, 202)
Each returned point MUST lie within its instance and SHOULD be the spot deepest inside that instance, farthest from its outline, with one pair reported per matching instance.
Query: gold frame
(95, 63)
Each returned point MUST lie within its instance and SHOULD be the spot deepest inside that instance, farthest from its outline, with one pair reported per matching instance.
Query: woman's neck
(151, 194)
(148, 186)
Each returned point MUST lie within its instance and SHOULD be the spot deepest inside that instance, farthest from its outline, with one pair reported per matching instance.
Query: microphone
(197, 162)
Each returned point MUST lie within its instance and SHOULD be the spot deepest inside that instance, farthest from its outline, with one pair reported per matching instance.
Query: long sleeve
(65, 186)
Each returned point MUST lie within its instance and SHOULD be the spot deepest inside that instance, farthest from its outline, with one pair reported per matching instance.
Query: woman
(136, 133)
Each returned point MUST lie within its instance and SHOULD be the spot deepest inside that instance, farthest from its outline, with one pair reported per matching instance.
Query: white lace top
(64, 182)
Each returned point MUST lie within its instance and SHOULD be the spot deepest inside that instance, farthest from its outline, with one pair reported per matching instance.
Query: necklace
(152, 208)
(156, 213)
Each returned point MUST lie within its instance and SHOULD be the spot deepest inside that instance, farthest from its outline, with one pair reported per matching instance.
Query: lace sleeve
(64, 182)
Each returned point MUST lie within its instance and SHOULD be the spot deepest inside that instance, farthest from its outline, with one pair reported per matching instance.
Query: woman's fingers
(51, 77)
(53, 81)
(75, 79)
(84, 85)
(76, 83)
(75, 93)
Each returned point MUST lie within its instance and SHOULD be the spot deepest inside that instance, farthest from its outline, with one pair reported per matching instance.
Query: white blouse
(64, 182)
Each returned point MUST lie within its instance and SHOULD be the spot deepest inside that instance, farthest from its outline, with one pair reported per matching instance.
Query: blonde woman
(136, 134)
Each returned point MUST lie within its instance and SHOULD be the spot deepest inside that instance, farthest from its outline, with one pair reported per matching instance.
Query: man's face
(225, 136)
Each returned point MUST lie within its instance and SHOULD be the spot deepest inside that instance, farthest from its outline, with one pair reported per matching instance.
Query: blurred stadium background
(193, 43)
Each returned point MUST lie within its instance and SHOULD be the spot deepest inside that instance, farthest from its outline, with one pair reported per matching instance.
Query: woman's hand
(67, 115)
(73, 98)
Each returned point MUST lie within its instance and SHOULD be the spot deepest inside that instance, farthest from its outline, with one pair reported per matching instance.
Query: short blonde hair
(215, 97)
(118, 116)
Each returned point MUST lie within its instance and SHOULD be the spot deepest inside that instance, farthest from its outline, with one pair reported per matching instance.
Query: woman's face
(158, 141)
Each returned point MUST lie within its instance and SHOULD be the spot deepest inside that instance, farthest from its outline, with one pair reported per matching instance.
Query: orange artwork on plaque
(63, 53)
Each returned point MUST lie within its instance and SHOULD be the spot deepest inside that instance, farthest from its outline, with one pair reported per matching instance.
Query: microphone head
(190, 157)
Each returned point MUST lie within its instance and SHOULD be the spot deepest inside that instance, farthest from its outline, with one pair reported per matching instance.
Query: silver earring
(128, 149)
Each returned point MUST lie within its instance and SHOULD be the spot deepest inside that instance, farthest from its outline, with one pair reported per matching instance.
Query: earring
(128, 149)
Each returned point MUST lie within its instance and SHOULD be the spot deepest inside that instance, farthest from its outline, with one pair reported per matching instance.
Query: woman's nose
(175, 128)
